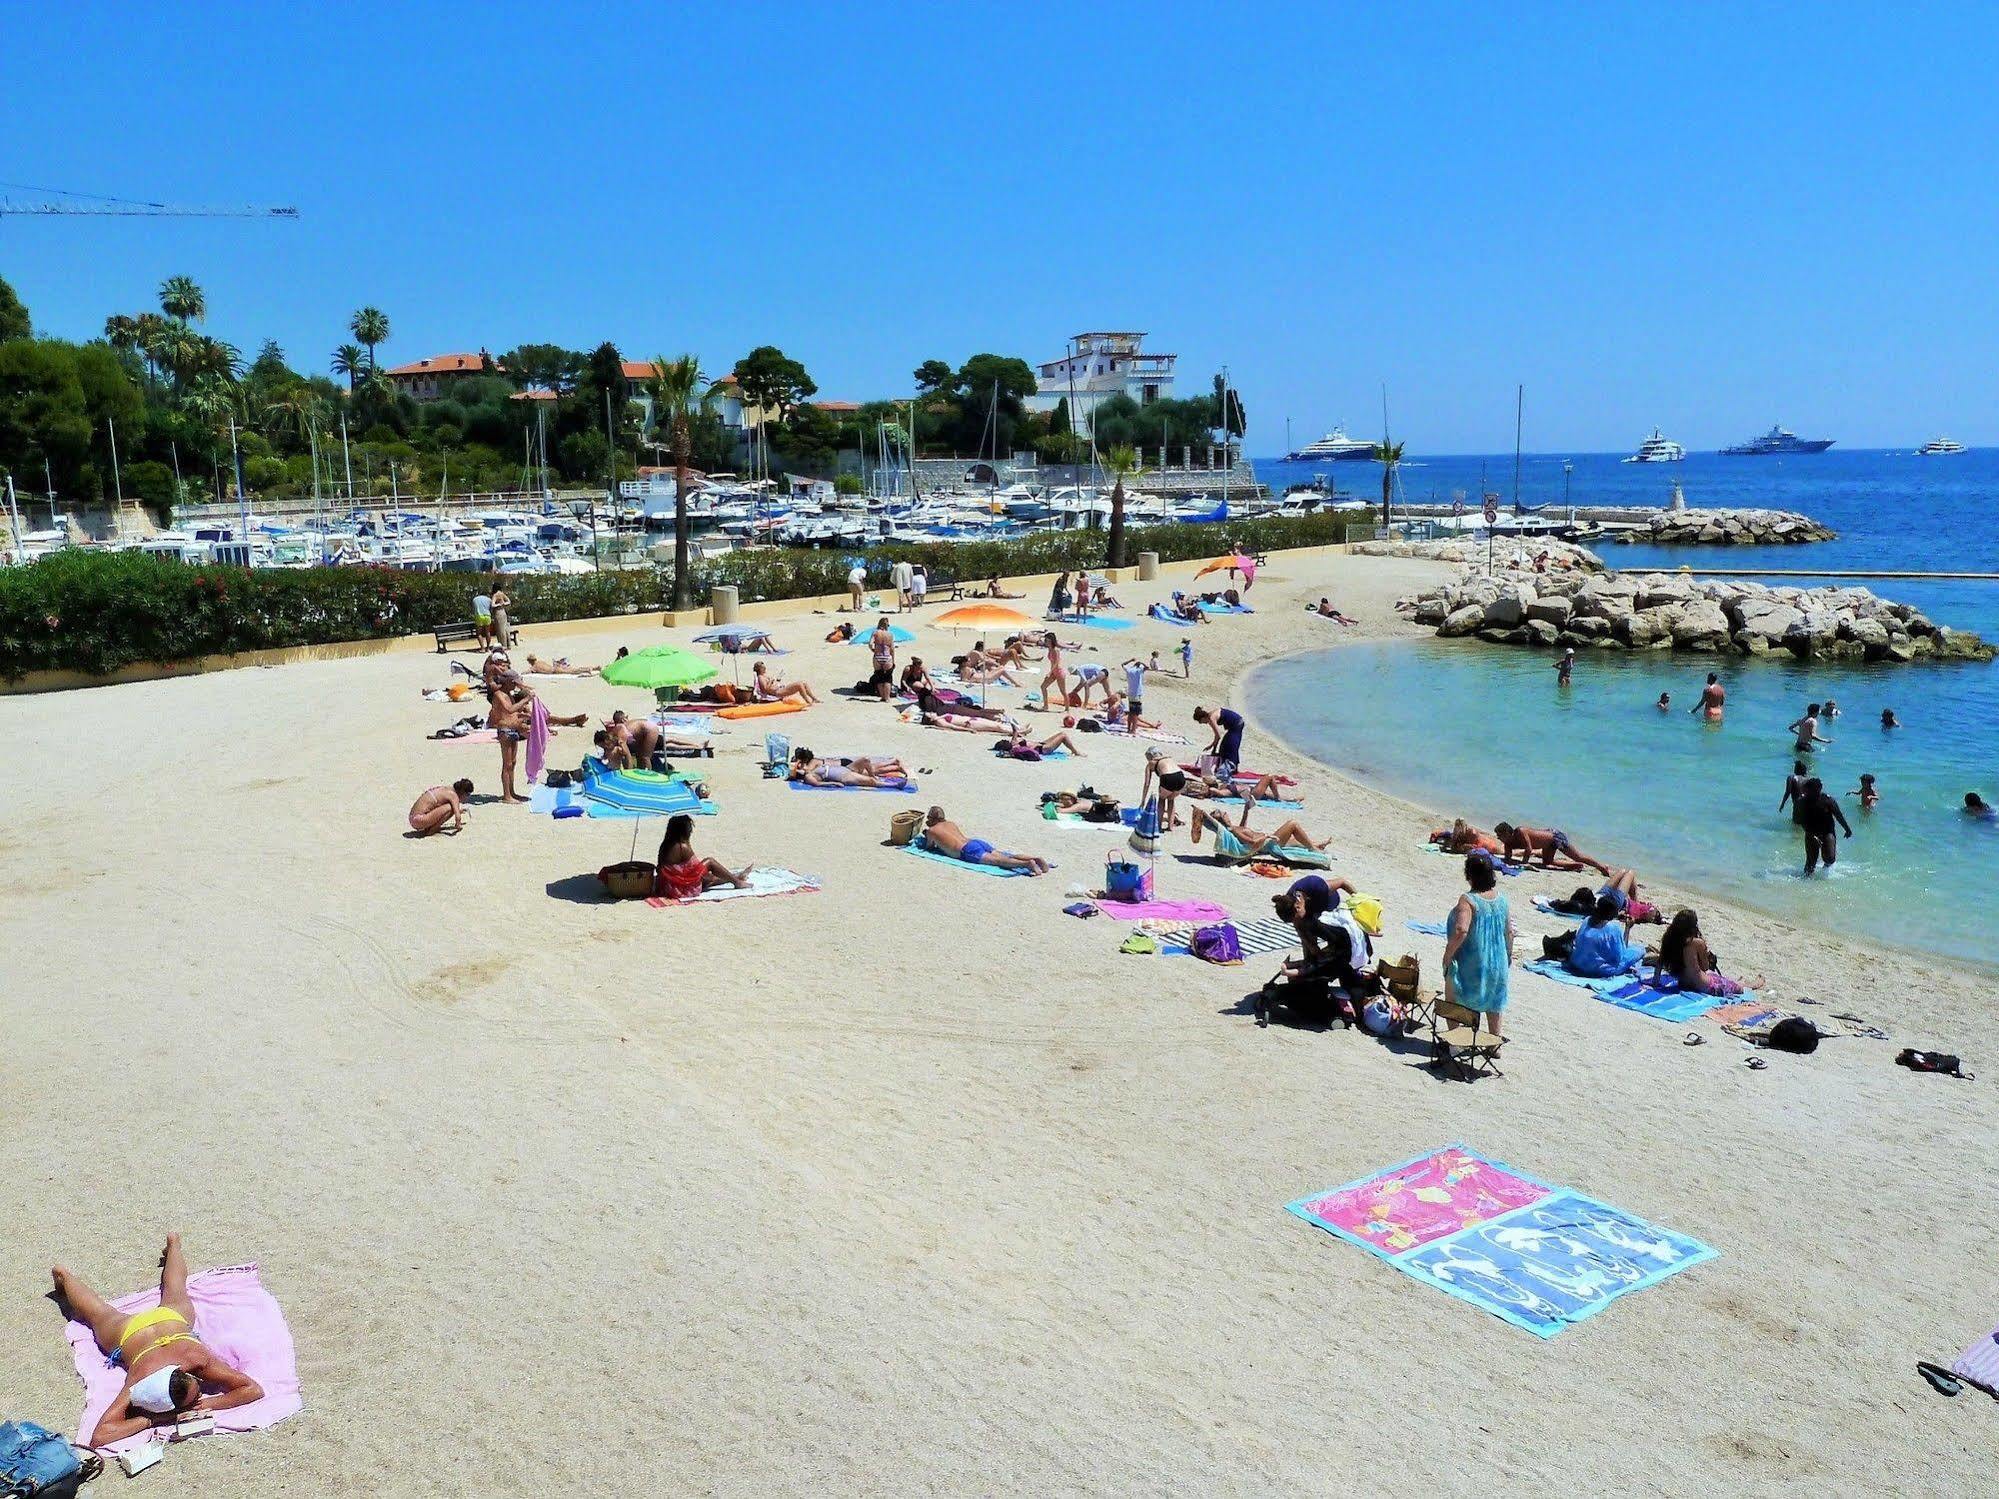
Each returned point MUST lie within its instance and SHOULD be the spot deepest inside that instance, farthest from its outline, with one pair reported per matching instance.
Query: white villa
(1097, 367)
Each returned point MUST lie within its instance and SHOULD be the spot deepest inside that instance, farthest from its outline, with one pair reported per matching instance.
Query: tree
(1058, 419)
(182, 300)
(772, 382)
(348, 361)
(933, 374)
(679, 394)
(542, 367)
(121, 332)
(13, 316)
(1387, 454)
(370, 326)
(1122, 462)
(55, 402)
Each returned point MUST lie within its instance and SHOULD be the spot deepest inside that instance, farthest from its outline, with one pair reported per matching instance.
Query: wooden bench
(466, 632)
(943, 587)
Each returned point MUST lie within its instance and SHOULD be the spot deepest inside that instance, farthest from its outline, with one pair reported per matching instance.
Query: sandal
(1754, 1064)
(1693, 1038)
(1941, 1379)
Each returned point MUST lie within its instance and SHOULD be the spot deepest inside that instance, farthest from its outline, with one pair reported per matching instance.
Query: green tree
(680, 393)
(349, 361)
(370, 326)
(933, 374)
(769, 379)
(1387, 454)
(1058, 419)
(14, 321)
(182, 300)
(1122, 463)
(542, 367)
(56, 400)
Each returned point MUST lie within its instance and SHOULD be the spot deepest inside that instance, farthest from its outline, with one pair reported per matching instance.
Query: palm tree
(347, 361)
(1122, 462)
(680, 392)
(1387, 454)
(370, 326)
(121, 332)
(182, 300)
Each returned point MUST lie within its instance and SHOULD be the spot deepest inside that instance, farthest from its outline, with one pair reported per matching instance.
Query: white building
(1097, 367)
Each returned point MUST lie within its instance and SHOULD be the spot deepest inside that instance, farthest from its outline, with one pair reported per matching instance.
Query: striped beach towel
(1258, 935)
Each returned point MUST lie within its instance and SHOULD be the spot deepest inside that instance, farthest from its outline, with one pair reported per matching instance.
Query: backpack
(35, 1463)
(1558, 946)
(1216, 944)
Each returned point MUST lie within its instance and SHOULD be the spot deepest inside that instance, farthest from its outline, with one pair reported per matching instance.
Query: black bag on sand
(1558, 946)
(1931, 1061)
(1794, 1034)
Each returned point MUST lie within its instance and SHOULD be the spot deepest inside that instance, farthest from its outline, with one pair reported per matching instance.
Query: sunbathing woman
(1550, 845)
(769, 689)
(1264, 788)
(841, 633)
(1239, 840)
(860, 770)
(1017, 746)
(684, 873)
(1685, 955)
(993, 591)
(979, 667)
(559, 667)
(1462, 838)
(169, 1371)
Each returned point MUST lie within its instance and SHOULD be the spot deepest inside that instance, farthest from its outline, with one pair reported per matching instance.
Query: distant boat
(1657, 449)
(1776, 442)
(1334, 447)
(1939, 447)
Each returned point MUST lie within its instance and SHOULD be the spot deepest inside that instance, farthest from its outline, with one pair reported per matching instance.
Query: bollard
(1148, 566)
(722, 604)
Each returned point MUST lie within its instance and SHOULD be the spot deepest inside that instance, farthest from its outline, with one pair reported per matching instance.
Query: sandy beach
(913, 1185)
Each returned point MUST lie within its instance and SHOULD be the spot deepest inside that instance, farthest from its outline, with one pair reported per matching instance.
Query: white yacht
(1939, 447)
(1335, 447)
(1657, 449)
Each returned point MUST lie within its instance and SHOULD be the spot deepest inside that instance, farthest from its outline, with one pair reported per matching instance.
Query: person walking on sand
(1713, 696)
(1565, 669)
(900, 575)
(1055, 679)
(1479, 948)
(169, 1371)
(482, 620)
(439, 805)
(503, 625)
(1821, 812)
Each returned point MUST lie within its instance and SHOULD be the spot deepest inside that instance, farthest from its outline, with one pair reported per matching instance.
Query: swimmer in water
(1665, 703)
(1869, 797)
(1712, 697)
(1807, 730)
(1977, 808)
(1889, 720)
(1830, 711)
(1794, 793)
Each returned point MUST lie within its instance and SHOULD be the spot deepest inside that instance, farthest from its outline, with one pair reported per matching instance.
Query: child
(1186, 657)
(1867, 794)
(1153, 664)
(1665, 703)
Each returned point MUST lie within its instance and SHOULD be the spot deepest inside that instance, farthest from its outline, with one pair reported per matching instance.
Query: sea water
(1483, 729)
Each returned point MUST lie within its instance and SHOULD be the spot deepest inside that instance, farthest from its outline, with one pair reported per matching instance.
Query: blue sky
(1708, 218)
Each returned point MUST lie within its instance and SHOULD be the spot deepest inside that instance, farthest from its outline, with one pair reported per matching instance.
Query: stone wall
(1727, 528)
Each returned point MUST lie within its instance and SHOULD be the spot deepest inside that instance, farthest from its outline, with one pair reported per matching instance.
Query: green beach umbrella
(659, 666)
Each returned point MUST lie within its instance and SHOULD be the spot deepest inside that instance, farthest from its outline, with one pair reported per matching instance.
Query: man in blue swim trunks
(946, 837)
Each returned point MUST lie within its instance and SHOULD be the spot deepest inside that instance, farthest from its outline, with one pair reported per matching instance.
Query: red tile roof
(444, 364)
(838, 406)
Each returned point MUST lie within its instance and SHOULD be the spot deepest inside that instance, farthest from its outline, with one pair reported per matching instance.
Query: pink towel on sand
(1163, 910)
(537, 739)
(237, 1318)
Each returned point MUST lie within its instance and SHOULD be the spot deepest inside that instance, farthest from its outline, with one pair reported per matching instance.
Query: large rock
(1551, 608)
(1641, 629)
(1699, 625)
(1765, 620)
(1541, 632)
(1510, 605)
(1462, 621)
(1656, 591)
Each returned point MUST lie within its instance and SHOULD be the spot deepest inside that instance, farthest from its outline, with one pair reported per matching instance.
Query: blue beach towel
(1099, 622)
(1225, 609)
(907, 788)
(1548, 968)
(1429, 928)
(1167, 616)
(930, 853)
(1662, 999)
(1276, 806)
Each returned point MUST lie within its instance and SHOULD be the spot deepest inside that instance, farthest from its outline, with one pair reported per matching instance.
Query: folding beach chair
(777, 755)
(1403, 979)
(1459, 1044)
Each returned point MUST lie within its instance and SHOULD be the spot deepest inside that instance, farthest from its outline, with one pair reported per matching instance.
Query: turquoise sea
(1484, 730)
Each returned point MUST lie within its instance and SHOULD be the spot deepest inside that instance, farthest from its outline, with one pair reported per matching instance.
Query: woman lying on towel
(559, 667)
(684, 873)
(1238, 841)
(1685, 955)
(169, 1371)
(861, 770)
(1017, 746)
(976, 666)
(966, 718)
(1462, 838)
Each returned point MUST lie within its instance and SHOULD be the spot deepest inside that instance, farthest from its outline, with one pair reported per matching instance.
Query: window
(1151, 394)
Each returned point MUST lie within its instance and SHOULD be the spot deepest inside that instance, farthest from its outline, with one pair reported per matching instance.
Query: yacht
(1657, 449)
(1938, 447)
(1335, 447)
(1776, 442)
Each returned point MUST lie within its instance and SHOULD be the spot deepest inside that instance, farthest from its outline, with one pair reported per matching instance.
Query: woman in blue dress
(1479, 949)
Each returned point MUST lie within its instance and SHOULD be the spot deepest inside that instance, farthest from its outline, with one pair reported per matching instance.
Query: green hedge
(94, 612)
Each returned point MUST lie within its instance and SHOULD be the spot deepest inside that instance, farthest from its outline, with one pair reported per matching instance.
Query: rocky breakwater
(1511, 553)
(1658, 611)
(1727, 528)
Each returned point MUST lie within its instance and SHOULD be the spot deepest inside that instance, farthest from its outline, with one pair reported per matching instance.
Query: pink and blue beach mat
(1539, 1256)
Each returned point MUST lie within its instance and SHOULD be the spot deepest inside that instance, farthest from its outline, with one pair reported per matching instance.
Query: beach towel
(1980, 1362)
(236, 1317)
(1273, 806)
(903, 788)
(1207, 608)
(1429, 928)
(1162, 613)
(1549, 968)
(930, 853)
(548, 800)
(1157, 736)
(1230, 847)
(688, 723)
(477, 736)
(1749, 1013)
(1538, 1256)
(1662, 999)
(762, 882)
(1099, 622)
(537, 739)
(1054, 754)
(1198, 912)
(1257, 936)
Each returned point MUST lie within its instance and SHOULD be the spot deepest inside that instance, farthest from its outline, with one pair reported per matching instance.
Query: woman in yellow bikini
(169, 1372)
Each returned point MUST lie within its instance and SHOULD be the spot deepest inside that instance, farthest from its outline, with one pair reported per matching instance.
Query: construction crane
(108, 207)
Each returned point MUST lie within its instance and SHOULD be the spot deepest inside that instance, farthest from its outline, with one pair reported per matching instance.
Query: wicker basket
(633, 881)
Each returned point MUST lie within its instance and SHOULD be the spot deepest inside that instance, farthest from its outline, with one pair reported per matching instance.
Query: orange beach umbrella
(982, 617)
(1244, 565)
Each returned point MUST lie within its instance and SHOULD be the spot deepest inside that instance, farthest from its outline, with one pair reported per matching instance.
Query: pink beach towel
(537, 739)
(235, 1316)
(1163, 910)
(1424, 1199)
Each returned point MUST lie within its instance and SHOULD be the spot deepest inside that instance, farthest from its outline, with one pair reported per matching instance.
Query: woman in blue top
(1603, 944)
(1479, 949)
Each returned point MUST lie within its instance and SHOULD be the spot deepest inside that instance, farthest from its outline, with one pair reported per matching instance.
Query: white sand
(914, 1185)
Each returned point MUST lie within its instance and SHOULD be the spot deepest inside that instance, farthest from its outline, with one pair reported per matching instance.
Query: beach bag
(1124, 880)
(904, 826)
(1794, 1034)
(35, 1463)
(1216, 944)
(1559, 946)
(630, 881)
(1365, 910)
(557, 779)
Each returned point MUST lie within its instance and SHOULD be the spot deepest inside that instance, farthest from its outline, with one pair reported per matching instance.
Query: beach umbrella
(1236, 560)
(732, 641)
(983, 617)
(896, 633)
(659, 666)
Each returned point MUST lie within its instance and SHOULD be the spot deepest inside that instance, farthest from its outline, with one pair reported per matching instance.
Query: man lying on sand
(169, 1371)
(1325, 610)
(439, 805)
(1550, 845)
(946, 837)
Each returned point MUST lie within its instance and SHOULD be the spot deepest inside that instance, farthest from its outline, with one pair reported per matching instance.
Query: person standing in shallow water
(1713, 696)
(1819, 815)
(1565, 669)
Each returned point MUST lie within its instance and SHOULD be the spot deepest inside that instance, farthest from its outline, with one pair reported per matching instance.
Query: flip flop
(1941, 1379)
(1754, 1064)
(1693, 1038)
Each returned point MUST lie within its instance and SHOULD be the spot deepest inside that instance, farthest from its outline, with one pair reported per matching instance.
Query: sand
(914, 1185)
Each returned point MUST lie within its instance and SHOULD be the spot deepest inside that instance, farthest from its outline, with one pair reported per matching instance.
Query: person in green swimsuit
(1479, 949)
